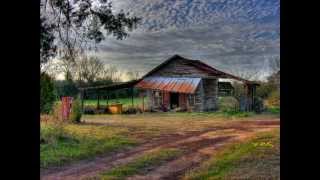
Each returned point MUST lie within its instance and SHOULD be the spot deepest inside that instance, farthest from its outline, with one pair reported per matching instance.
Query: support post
(250, 98)
(107, 98)
(98, 103)
(132, 97)
(142, 102)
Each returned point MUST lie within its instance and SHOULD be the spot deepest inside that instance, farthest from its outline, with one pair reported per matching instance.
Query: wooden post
(98, 103)
(132, 97)
(142, 102)
(250, 97)
(107, 98)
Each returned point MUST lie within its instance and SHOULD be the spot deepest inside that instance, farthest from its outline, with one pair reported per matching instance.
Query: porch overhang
(186, 85)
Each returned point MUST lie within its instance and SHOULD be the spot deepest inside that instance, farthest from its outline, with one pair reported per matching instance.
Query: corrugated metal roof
(173, 84)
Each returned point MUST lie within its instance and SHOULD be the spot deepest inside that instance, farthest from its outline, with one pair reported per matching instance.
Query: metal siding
(172, 84)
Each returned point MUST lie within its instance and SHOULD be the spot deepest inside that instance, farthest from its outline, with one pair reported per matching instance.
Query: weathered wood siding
(183, 98)
(199, 98)
(210, 87)
(166, 99)
(180, 68)
(206, 93)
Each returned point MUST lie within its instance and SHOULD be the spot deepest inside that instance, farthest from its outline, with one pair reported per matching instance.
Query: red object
(66, 107)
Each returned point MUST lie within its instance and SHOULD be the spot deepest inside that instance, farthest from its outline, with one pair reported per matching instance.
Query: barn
(186, 84)
(181, 84)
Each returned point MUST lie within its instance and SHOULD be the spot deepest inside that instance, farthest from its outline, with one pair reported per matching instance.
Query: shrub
(228, 104)
(76, 113)
(47, 93)
(274, 99)
(258, 105)
(57, 112)
(50, 134)
(265, 89)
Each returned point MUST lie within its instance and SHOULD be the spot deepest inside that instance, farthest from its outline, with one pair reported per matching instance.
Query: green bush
(53, 132)
(258, 105)
(265, 90)
(76, 112)
(273, 99)
(47, 93)
(228, 104)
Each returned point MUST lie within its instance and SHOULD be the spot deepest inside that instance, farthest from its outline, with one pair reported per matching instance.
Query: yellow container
(115, 108)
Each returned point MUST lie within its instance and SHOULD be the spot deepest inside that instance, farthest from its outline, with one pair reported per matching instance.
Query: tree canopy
(68, 27)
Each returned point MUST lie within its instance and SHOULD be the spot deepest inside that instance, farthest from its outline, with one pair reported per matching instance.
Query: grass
(99, 134)
(258, 158)
(125, 101)
(273, 110)
(59, 145)
(141, 163)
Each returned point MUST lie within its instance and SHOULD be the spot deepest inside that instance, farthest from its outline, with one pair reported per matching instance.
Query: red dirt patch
(196, 145)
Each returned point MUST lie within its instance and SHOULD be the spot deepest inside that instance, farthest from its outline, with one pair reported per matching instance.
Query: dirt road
(197, 146)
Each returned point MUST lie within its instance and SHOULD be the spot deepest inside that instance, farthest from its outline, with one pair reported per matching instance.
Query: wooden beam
(132, 96)
(142, 102)
(107, 98)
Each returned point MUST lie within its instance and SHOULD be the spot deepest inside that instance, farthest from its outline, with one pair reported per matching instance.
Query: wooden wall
(210, 87)
(206, 92)
(179, 68)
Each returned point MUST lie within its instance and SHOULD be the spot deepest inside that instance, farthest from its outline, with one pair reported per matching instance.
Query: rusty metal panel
(171, 84)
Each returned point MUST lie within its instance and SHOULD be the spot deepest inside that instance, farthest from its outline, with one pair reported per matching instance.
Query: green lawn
(61, 144)
(125, 101)
(258, 158)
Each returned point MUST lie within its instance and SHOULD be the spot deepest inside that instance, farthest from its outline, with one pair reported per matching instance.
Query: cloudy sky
(230, 35)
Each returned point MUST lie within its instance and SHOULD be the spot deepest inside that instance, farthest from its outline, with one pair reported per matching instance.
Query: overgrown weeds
(64, 142)
(255, 159)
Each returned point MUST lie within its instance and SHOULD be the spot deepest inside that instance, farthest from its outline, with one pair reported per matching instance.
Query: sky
(230, 35)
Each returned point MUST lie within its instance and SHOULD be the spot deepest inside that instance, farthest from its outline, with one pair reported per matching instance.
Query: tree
(275, 64)
(79, 25)
(47, 93)
(133, 75)
(274, 78)
(110, 73)
(88, 69)
(47, 46)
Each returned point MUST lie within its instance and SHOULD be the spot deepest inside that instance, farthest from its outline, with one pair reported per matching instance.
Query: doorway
(174, 100)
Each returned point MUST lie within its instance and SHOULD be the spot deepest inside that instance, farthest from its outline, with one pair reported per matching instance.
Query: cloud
(225, 34)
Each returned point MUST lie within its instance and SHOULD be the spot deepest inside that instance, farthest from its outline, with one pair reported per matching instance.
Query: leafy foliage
(47, 93)
(66, 88)
(76, 113)
(80, 24)
(47, 46)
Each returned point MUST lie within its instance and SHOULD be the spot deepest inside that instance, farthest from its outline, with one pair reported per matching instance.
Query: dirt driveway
(197, 145)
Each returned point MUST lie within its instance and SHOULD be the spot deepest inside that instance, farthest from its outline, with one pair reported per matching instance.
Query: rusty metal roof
(172, 84)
